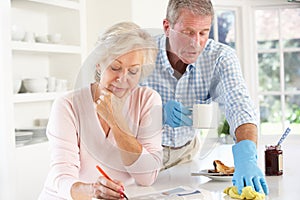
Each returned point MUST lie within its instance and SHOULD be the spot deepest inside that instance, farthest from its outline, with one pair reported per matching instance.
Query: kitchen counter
(281, 187)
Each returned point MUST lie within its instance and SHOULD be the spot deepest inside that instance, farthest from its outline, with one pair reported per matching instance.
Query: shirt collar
(164, 57)
(163, 54)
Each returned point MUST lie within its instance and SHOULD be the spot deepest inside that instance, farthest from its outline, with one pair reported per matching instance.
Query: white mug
(61, 85)
(51, 84)
(205, 116)
(29, 37)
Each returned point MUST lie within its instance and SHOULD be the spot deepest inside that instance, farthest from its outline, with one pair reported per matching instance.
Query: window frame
(282, 93)
(246, 45)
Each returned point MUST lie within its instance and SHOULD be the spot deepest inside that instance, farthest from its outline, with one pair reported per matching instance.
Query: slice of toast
(222, 168)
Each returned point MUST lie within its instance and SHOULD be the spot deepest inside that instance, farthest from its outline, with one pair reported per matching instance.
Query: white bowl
(37, 132)
(41, 122)
(35, 85)
(54, 38)
(41, 38)
(17, 85)
(24, 135)
(17, 33)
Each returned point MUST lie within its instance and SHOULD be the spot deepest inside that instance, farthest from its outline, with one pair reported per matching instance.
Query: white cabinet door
(32, 166)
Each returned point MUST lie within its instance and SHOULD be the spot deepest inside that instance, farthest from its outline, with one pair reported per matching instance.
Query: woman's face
(188, 36)
(123, 74)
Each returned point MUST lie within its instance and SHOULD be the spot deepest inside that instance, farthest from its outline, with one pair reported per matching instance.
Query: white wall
(7, 145)
(101, 14)
(149, 14)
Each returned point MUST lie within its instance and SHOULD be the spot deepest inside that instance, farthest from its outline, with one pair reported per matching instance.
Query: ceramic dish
(23, 137)
(35, 84)
(213, 176)
(38, 131)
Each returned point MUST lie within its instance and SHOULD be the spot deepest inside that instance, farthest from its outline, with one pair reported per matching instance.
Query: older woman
(112, 122)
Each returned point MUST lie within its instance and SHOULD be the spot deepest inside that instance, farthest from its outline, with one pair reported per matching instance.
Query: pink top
(78, 142)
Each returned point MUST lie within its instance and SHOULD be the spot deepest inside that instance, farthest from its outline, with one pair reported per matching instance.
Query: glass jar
(273, 161)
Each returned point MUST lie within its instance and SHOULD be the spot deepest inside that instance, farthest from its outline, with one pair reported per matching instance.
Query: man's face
(188, 36)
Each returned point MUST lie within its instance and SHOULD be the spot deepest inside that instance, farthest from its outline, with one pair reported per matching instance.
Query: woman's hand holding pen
(108, 189)
(115, 185)
(103, 188)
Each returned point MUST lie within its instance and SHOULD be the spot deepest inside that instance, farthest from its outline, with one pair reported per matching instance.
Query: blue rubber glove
(175, 114)
(246, 172)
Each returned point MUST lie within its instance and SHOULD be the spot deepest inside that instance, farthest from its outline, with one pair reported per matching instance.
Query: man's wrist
(246, 132)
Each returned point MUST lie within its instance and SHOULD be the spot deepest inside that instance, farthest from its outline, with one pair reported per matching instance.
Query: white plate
(38, 131)
(24, 133)
(213, 176)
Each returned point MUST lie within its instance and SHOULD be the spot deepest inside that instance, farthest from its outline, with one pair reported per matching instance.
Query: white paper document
(175, 193)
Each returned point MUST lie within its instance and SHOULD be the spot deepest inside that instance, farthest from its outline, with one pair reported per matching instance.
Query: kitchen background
(43, 43)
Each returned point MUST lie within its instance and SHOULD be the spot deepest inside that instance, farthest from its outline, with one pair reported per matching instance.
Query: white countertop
(281, 187)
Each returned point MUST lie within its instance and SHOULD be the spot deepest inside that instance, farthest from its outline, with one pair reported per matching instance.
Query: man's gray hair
(197, 7)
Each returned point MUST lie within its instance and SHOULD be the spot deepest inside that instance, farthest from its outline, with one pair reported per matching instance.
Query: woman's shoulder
(73, 95)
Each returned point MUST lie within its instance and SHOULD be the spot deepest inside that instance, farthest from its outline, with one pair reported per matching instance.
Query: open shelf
(46, 48)
(33, 97)
(57, 3)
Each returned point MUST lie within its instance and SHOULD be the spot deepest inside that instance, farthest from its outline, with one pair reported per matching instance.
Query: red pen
(106, 176)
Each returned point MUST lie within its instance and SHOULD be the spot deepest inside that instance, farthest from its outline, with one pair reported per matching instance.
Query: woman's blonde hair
(122, 38)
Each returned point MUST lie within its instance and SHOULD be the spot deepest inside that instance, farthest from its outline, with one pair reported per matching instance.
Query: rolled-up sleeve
(239, 108)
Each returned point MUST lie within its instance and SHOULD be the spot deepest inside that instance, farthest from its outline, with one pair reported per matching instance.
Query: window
(277, 32)
(223, 29)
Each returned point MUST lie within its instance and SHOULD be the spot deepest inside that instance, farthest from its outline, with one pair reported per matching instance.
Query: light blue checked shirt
(215, 76)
